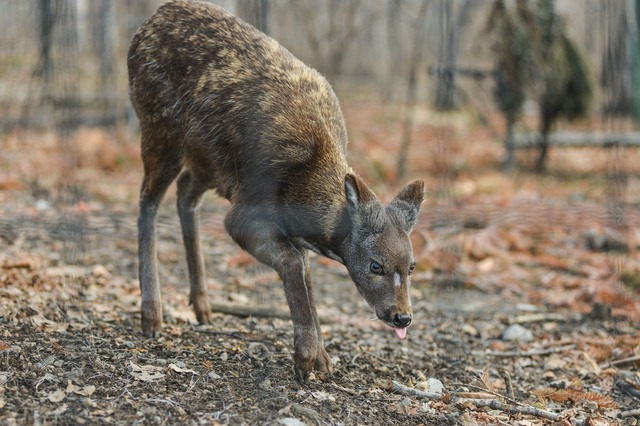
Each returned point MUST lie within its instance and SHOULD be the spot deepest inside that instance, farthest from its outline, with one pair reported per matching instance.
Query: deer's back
(233, 100)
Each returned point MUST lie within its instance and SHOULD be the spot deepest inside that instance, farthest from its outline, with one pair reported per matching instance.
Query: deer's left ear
(406, 206)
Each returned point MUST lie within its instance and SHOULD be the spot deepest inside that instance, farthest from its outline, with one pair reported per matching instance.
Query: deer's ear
(406, 206)
(356, 192)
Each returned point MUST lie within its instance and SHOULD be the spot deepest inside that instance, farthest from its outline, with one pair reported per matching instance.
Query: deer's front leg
(255, 232)
(323, 362)
(308, 346)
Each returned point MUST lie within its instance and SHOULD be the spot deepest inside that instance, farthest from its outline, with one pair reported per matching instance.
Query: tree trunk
(255, 12)
(47, 20)
(449, 46)
(394, 64)
(411, 90)
(509, 163)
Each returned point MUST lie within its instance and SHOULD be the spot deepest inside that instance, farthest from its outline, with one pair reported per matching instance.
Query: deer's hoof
(151, 315)
(202, 309)
(151, 327)
(323, 362)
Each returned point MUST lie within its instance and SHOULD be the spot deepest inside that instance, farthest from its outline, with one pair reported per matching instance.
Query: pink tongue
(400, 332)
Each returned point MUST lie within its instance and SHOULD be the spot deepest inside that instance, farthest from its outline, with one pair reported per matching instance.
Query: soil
(71, 349)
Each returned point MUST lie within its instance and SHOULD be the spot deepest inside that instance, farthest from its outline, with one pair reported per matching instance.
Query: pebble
(517, 332)
(290, 421)
(265, 385)
(435, 385)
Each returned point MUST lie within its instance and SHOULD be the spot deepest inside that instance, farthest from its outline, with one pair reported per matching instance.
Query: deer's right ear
(356, 192)
(352, 192)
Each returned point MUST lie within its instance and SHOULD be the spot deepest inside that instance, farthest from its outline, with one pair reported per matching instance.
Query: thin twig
(250, 311)
(631, 360)
(474, 395)
(629, 413)
(233, 335)
(489, 391)
(494, 404)
(628, 387)
(166, 401)
(540, 317)
(507, 382)
(400, 388)
(532, 352)
(347, 390)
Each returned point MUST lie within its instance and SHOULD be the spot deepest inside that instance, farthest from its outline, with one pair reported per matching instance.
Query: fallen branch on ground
(618, 362)
(489, 391)
(238, 336)
(629, 413)
(474, 395)
(541, 317)
(532, 352)
(406, 390)
(628, 387)
(494, 404)
(250, 311)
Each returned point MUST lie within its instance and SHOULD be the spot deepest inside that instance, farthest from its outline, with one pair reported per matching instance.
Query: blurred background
(520, 115)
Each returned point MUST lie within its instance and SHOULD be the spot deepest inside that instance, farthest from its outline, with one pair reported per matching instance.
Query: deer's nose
(402, 320)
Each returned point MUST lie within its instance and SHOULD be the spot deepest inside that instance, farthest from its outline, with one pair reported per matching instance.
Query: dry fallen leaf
(146, 373)
(57, 396)
(85, 391)
(181, 370)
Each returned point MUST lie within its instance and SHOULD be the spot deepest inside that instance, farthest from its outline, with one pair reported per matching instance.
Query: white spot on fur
(397, 279)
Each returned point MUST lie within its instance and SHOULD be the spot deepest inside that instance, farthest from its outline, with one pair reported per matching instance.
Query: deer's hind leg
(191, 186)
(161, 166)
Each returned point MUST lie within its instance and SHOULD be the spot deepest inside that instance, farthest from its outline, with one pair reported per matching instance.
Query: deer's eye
(376, 268)
(412, 267)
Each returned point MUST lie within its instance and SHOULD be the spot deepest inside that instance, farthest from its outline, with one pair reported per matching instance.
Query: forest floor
(526, 307)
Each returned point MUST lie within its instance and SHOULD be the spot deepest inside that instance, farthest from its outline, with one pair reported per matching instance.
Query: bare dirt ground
(496, 259)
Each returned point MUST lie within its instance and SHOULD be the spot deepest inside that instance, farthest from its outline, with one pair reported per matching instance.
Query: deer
(223, 106)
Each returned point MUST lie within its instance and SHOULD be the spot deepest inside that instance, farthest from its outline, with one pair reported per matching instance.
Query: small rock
(213, 375)
(265, 385)
(43, 205)
(435, 385)
(517, 332)
(100, 271)
(290, 421)
(470, 330)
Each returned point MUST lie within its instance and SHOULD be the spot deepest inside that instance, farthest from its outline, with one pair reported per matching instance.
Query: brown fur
(229, 109)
